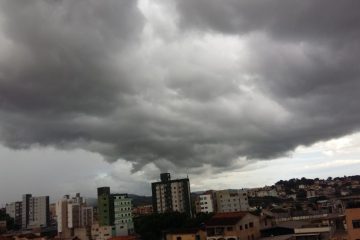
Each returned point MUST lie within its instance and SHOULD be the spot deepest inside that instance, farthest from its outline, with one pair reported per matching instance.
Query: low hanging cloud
(184, 84)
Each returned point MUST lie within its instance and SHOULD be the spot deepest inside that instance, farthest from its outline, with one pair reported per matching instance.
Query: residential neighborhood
(295, 209)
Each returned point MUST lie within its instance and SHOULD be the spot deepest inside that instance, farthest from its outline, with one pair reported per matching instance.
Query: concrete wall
(353, 215)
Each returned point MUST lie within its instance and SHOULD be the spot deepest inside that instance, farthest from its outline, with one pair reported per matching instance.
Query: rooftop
(226, 219)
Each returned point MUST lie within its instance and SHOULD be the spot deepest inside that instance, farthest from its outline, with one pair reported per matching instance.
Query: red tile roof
(226, 219)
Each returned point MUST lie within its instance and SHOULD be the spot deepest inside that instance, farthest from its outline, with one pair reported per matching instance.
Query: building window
(246, 226)
(356, 223)
(240, 227)
(178, 238)
(251, 224)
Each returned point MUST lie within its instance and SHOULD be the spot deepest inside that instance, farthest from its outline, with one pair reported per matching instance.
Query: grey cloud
(62, 55)
(305, 60)
(296, 20)
(81, 74)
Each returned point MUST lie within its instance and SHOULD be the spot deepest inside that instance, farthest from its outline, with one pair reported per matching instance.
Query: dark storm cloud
(306, 61)
(61, 61)
(296, 20)
(61, 67)
(85, 74)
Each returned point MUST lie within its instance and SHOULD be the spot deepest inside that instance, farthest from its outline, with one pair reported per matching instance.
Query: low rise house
(102, 232)
(185, 234)
(352, 215)
(232, 226)
(143, 210)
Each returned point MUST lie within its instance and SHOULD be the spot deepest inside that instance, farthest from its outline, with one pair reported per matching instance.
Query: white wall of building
(206, 203)
(232, 200)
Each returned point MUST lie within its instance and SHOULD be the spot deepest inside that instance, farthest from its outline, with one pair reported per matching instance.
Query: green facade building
(123, 213)
(105, 207)
(115, 210)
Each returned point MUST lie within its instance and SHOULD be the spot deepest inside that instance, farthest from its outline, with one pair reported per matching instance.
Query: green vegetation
(152, 226)
(7, 218)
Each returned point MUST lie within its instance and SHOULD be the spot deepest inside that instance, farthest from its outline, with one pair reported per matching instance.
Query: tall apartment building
(35, 211)
(123, 214)
(231, 200)
(61, 217)
(72, 215)
(171, 195)
(14, 210)
(25, 210)
(115, 210)
(105, 207)
(87, 216)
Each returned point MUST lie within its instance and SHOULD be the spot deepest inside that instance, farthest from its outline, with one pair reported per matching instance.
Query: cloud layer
(180, 84)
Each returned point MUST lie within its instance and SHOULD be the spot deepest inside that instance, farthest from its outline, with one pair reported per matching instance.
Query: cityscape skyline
(233, 95)
(337, 150)
(296, 208)
(91, 197)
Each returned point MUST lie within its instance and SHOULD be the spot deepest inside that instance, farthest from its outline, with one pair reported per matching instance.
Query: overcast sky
(234, 93)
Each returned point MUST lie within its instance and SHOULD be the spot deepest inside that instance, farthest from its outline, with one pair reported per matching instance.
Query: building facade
(25, 210)
(35, 211)
(105, 207)
(232, 226)
(185, 234)
(87, 216)
(231, 200)
(14, 210)
(352, 216)
(74, 218)
(99, 232)
(123, 219)
(171, 195)
(143, 210)
(62, 218)
(205, 203)
(115, 212)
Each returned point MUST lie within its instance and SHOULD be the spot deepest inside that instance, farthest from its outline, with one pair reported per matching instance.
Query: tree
(152, 226)
(7, 218)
